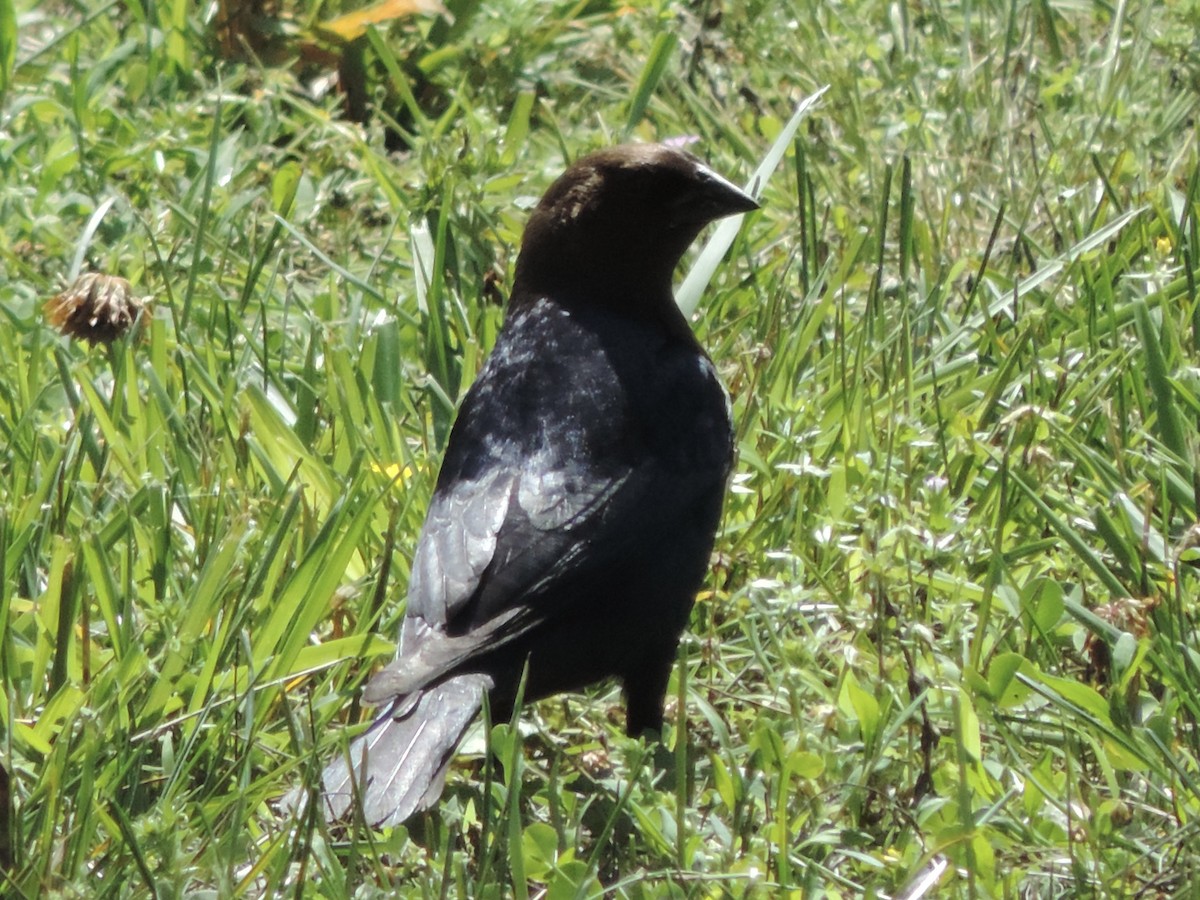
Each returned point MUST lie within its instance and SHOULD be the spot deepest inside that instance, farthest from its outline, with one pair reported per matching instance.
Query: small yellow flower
(394, 471)
(1162, 246)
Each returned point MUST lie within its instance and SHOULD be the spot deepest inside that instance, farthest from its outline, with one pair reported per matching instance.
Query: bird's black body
(601, 450)
(581, 488)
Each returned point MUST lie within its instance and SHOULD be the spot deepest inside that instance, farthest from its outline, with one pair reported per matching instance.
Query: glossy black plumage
(581, 488)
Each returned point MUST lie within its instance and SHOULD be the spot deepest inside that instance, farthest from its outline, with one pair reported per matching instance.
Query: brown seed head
(97, 308)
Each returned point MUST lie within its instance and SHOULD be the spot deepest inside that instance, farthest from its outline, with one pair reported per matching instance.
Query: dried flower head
(97, 308)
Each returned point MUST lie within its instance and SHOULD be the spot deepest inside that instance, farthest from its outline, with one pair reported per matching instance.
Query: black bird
(583, 481)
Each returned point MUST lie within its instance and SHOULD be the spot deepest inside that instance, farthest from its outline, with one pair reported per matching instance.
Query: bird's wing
(489, 547)
(562, 462)
(559, 523)
(495, 552)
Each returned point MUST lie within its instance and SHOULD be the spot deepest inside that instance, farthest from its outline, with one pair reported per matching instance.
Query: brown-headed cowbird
(582, 484)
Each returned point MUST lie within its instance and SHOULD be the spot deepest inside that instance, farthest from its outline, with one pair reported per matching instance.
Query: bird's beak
(717, 197)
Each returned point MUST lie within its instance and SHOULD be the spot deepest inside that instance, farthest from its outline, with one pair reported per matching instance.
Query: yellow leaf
(354, 25)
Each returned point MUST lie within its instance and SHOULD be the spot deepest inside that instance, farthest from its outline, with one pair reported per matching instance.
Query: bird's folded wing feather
(493, 547)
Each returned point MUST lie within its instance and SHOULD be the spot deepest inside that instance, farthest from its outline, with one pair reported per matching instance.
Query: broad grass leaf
(1042, 600)
(1085, 698)
(574, 879)
(283, 187)
(863, 707)
(968, 727)
(656, 64)
(1002, 686)
(722, 781)
(539, 844)
(8, 44)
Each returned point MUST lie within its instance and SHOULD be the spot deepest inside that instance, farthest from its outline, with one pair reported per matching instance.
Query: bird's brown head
(612, 228)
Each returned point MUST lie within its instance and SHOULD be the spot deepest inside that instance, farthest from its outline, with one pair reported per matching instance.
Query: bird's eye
(658, 192)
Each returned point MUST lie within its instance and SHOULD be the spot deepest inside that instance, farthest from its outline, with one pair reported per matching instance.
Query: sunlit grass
(949, 625)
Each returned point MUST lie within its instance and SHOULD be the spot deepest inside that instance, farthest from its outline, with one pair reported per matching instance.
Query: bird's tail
(399, 765)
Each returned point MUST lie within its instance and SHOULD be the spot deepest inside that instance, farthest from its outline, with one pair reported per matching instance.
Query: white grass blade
(701, 273)
(88, 233)
(423, 254)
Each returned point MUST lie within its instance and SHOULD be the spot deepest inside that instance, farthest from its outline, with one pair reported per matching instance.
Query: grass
(949, 630)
